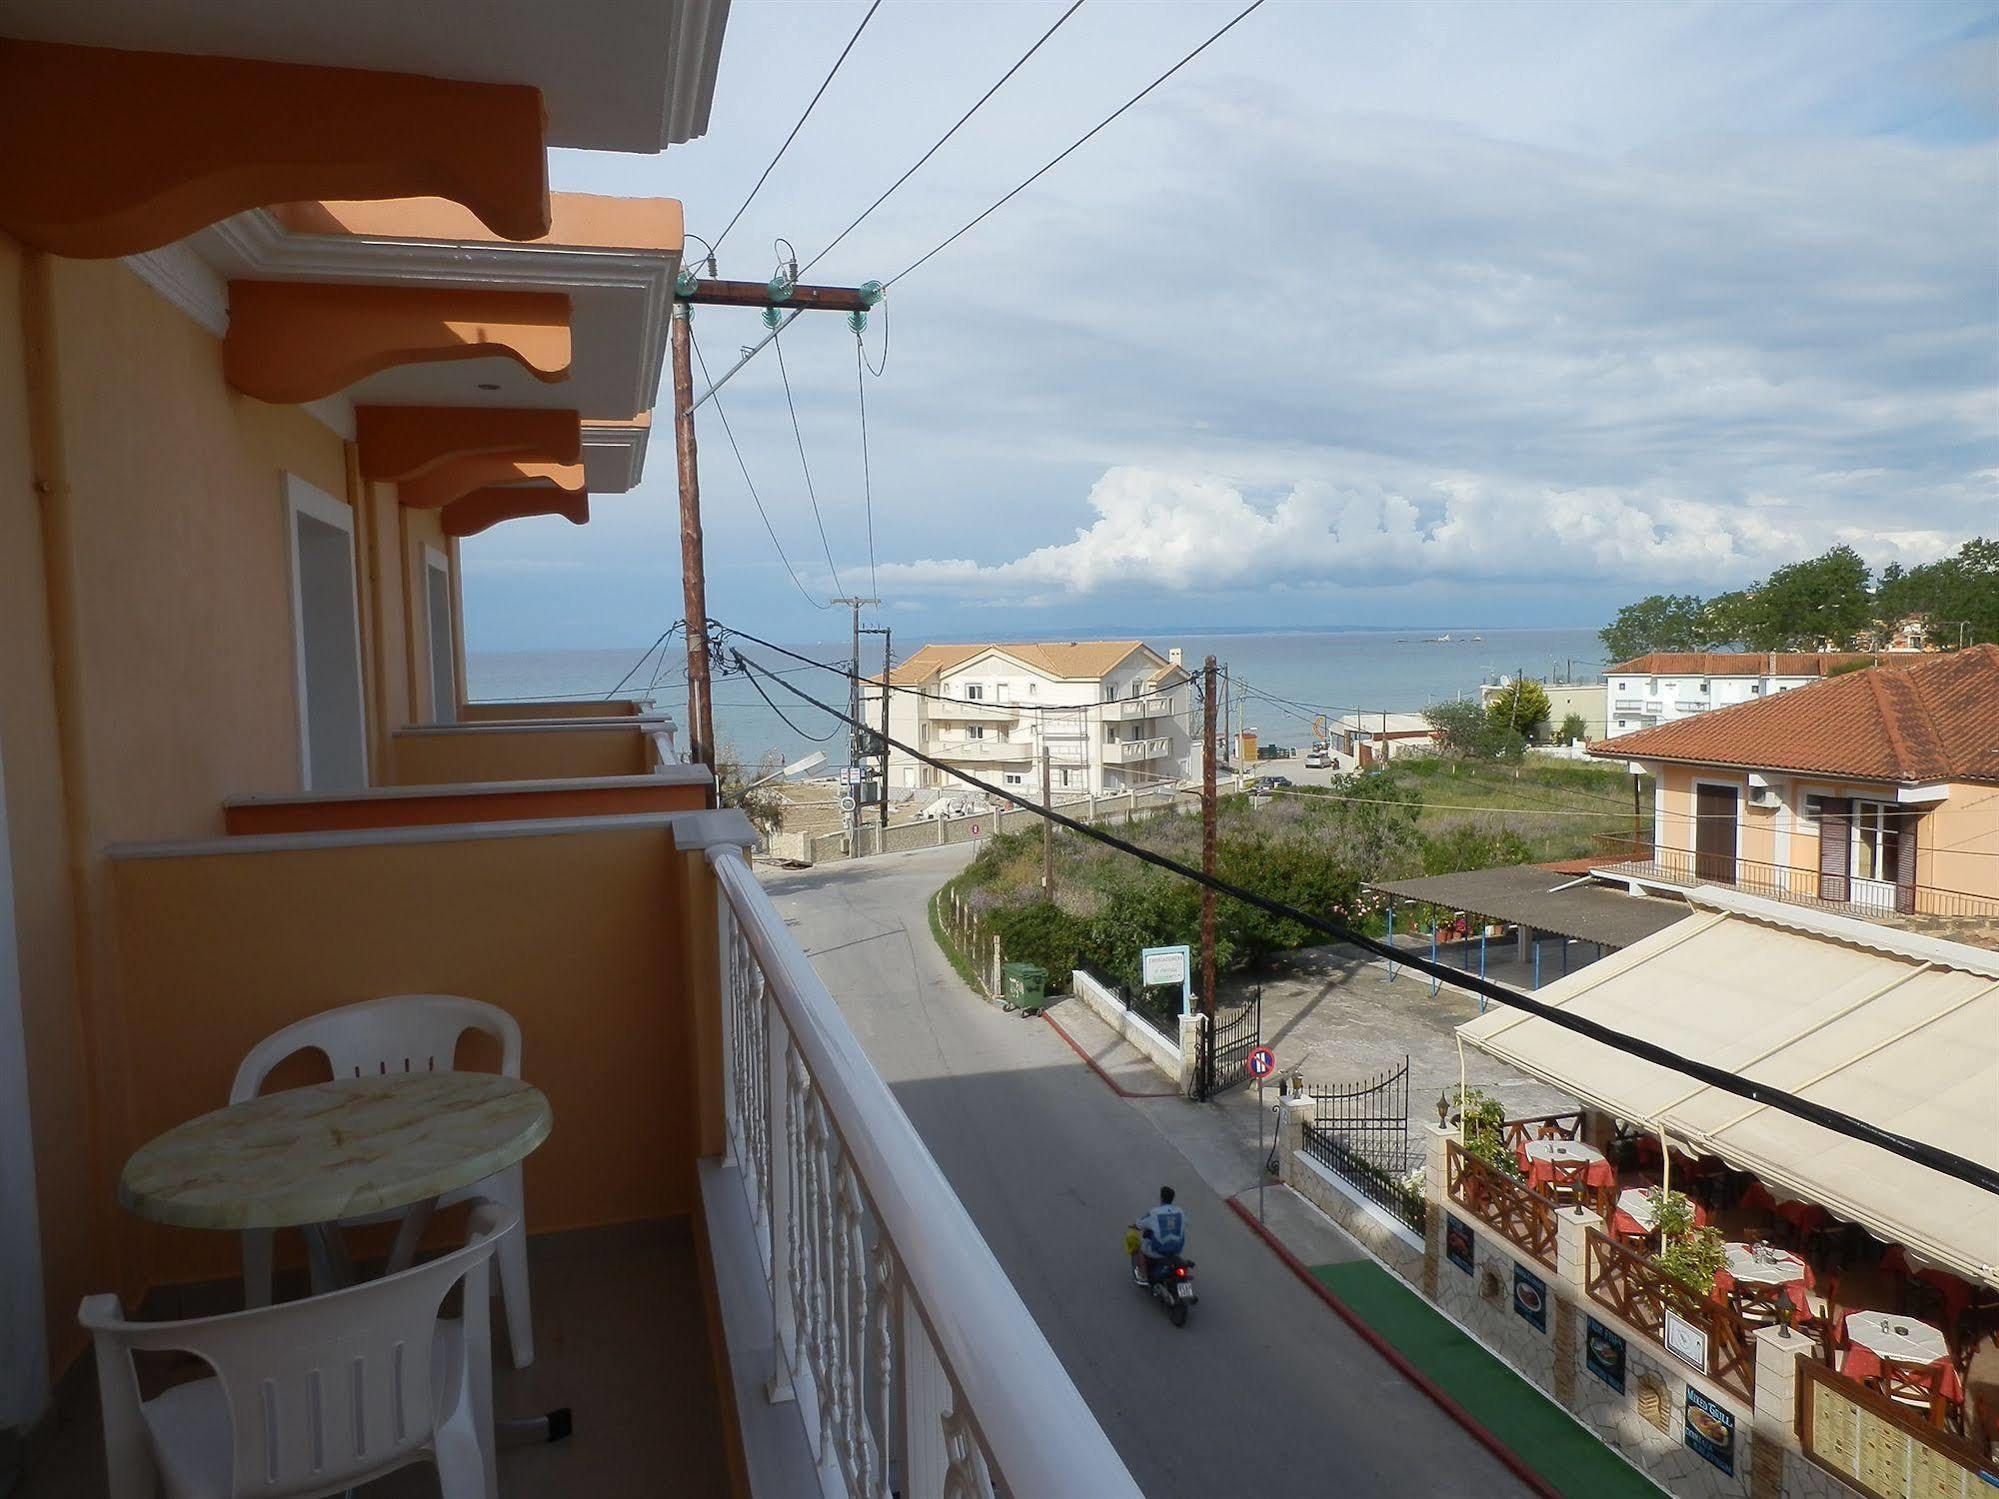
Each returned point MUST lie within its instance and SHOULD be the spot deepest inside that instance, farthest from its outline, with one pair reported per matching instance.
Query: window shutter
(1835, 840)
(1905, 861)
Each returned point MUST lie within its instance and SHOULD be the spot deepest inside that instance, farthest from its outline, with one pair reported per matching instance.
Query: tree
(737, 786)
(1461, 728)
(1958, 596)
(1473, 843)
(1573, 728)
(1823, 601)
(1520, 707)
(1661, 622)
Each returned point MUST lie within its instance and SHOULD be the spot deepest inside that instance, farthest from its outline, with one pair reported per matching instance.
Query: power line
(754, 498)
(798, 432)
(799, 126)
(941, 139)
(815, 738)
(664, 636)
(1976, 1173)
(1058, 159)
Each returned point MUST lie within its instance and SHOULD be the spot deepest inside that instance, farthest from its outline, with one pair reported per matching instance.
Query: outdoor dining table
(1541, 1157)
(1874, 1336)
(306, 1157)
(1637, 1212)
(1769, 1267)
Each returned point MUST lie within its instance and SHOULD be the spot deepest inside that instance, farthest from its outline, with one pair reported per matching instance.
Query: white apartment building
(1115, 715)
(1669, 685)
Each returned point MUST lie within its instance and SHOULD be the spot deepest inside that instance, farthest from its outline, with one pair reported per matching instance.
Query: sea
(1281, 679)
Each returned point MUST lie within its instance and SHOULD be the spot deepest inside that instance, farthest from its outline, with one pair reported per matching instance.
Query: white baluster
(881, 1289)
(786, 1082)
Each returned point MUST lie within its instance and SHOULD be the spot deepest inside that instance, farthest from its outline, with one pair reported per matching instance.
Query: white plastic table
(1563, 1152)
(1781, 1270)
(344, 1149)
(1903, 1339)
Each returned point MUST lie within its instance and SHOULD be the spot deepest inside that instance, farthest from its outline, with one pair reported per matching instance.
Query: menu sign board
(1711, 1430)
(1858, 1435)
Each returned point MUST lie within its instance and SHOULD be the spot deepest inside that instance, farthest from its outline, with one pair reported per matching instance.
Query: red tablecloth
(1864, 1363)
(1600, 1175)
(1622, 1222)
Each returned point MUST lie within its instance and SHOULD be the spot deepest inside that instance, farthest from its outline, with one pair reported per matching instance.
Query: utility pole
(693, 576)
(1047, 833)
(1228, 738)
(691, 291)
(1208, 706)
(854, 730)
(888, 661)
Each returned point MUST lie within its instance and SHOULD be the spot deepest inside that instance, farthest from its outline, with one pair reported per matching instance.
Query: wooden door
(1714, 834)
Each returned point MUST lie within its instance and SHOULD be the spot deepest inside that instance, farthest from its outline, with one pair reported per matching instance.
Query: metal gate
(1227, 1038)
(1360, 1131)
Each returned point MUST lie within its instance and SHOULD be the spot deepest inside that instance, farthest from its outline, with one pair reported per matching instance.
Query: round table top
(335, 1150)
(1781, 1270)
(1569, 1152)
(1902, 1339)
(1640, 1205)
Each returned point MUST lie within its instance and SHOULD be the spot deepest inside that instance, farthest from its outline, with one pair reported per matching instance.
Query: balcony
(1135, 709)
(1958, 915)
(532, 748)
(987, 751)
(964, 710)
(737, 1231)
(1136, 751)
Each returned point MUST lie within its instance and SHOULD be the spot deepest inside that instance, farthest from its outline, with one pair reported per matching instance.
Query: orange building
(286, 311)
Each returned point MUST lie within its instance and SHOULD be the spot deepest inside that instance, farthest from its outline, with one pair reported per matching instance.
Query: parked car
(1318, 760)
(1272, 783)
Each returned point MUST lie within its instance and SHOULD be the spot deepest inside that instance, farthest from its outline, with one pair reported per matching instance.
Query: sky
(1476, 315)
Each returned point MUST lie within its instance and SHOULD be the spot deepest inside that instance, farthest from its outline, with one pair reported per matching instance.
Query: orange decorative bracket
(458, 478)
(296, 341)
(114, 153)
(399, 443)
(485, 508)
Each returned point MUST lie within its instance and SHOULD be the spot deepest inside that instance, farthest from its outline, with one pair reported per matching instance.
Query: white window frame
(975, 692)
(305, 498)
(442, 695)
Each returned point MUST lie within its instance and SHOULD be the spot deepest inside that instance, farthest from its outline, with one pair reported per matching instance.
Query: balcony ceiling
(615, 75)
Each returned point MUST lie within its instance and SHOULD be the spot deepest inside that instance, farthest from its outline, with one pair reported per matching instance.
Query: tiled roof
(1935, 718)
(1750, 663)
(1063, 659)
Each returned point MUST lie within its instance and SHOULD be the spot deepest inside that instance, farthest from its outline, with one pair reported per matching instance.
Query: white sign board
(1685, 1341)
(1164, 965)
(851, 776)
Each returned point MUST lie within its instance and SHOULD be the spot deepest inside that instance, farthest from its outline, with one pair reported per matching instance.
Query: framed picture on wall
(1458, 1242)
(1603, 1354)
(1530, 1298)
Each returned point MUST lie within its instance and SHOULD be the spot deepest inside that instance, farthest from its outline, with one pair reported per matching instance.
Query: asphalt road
(1265, 1390)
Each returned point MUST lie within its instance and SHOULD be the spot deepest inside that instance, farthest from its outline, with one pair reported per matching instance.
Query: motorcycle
(1171, 1286)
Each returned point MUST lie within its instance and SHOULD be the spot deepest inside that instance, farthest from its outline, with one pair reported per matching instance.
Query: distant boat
(1443, 639)
(1479, 639)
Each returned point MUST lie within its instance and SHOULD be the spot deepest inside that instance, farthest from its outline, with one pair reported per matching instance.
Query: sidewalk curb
(1091, 1062)
(1389, 1351)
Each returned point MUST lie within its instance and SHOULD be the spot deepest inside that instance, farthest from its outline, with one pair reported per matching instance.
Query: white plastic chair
(399, 1033)
(312, 1397)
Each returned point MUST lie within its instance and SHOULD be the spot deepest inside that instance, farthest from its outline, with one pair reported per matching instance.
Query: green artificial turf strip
(1525, 1421)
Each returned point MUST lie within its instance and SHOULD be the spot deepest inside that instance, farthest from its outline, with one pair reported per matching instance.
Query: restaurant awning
(1899, 1030)
(1545, 899)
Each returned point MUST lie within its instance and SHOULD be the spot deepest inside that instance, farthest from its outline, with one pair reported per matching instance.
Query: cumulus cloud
(1163, 532)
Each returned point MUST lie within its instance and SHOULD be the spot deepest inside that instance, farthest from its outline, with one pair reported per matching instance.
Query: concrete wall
(533, 752)
(576, 931)
(1169, 1057)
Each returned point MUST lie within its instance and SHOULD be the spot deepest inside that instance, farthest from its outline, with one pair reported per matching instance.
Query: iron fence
(1360, 1131)
(1227, 1038)
(1385, 1189)
(1164, 1023)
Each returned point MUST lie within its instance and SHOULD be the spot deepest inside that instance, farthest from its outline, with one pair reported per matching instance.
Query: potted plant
(1690, 1255)
(1481, 1125)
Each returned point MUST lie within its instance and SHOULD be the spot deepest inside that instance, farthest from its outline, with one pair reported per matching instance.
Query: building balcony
(734, 1228)
(963, 710)
(986, 751)
(534, 747)
(1137, 709)
(1136, 751)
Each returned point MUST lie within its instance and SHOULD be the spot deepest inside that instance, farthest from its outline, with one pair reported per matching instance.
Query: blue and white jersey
(1163, 1230)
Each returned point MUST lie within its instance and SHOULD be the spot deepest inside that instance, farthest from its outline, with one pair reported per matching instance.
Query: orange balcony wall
(676, 788)
(548, 749)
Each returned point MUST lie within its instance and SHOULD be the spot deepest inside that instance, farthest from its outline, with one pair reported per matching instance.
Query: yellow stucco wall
(492, 753)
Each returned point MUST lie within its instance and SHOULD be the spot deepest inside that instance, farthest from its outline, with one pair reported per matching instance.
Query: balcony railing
(1520, 1215)
(1009, 750)
(1683, 867)
(1132, 751)
(968, 710)
(914, 1364)
(1129, 709)
(1641, 1294)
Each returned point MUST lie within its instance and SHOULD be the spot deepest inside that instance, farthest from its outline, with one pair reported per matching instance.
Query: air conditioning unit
(1763, 796)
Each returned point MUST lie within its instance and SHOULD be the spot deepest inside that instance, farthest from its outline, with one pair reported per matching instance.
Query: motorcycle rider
(1162, 1234)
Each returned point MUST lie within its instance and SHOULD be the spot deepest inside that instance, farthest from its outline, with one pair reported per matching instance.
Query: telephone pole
(888, 661)
(1208, 706)
(1047, 833)
(854, 729)
(691, 291)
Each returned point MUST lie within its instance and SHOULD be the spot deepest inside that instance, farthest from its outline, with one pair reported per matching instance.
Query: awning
(1528, 895)
(1902, 1032)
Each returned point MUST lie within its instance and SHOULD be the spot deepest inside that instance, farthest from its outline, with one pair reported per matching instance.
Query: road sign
(1262, 1061)
(975, 830)
(851, 776)
(846, 804)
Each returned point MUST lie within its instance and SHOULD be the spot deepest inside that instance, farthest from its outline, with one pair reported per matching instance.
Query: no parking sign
(1262, 1062)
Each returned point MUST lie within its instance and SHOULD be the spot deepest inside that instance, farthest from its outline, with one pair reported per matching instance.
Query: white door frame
(443, 695)
(305, 498)
(24, 1357)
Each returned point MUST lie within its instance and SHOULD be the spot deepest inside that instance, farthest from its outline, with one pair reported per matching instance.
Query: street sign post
(1260, 1062)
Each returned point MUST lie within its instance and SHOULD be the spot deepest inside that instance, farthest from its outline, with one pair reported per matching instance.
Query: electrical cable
(867, 475)
(750, 675)
(942, 139)
(798, 432)
(798, 127)
(1948, 1163)
(1057, 160)
(664, 636)
(755, 499)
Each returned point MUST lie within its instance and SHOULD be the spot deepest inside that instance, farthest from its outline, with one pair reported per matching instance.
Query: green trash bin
(1024, 986)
